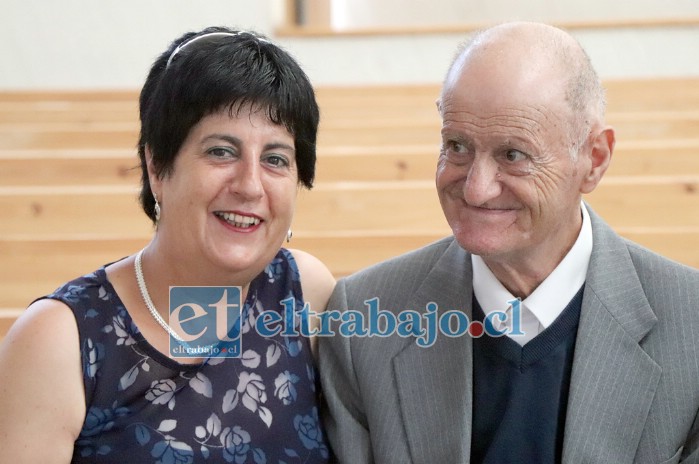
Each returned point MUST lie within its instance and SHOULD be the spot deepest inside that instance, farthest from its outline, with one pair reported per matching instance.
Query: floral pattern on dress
(143, 407)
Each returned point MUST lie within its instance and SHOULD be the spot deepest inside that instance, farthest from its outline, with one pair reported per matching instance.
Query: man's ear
(602, 147)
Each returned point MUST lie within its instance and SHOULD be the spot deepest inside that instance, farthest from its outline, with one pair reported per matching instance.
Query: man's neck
(523, 272)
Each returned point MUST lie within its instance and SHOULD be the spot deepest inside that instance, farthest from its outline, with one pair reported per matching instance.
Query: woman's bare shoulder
(42, 396)
(317, 281)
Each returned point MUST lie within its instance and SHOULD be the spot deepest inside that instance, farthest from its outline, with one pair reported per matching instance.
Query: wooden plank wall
(69, 179)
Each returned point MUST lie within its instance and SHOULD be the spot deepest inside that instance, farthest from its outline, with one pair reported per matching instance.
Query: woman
(228, 132)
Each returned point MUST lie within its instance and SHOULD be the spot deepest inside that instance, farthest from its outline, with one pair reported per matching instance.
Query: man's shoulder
(668, 286)
(412, 265)
(653, 267)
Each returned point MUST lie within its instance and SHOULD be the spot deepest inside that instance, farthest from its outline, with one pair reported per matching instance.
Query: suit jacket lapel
(434, 384)
(613, 380)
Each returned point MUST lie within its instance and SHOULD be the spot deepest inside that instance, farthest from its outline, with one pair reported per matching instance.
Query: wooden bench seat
(68, 112)
(652, 94)
(70, 167)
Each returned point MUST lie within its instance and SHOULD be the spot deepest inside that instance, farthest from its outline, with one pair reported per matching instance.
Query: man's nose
(482, 182)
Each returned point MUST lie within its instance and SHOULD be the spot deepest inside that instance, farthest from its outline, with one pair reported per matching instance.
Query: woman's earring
(157, 209)
(289, 234)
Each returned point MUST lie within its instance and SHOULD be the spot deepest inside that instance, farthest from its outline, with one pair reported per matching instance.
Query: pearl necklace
(146, 298)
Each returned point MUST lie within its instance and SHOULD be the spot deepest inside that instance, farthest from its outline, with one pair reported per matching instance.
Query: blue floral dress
(143, 407)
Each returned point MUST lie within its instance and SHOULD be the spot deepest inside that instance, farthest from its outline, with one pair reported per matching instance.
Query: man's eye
(457, 147)
(514, 156)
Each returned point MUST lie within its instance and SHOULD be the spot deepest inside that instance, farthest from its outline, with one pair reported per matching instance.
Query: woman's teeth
(238, 220)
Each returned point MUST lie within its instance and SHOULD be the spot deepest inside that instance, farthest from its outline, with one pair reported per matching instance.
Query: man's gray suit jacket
(634, 393)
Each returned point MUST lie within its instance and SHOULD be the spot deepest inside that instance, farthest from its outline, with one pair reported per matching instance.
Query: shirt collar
(552, 296)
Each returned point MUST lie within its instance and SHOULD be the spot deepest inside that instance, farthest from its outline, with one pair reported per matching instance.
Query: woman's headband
(208, 36)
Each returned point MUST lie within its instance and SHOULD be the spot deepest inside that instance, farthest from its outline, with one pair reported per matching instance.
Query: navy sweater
(520, 394)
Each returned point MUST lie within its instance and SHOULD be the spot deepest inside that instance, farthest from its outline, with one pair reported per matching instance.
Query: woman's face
(231, 194)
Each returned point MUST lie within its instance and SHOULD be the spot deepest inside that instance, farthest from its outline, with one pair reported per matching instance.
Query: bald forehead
(532, 60)
(522, 50)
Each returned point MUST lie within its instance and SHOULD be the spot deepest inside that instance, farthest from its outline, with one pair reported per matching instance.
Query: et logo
(207, 321)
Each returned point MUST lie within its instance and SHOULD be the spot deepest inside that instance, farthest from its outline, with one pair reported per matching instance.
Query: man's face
(507, 182)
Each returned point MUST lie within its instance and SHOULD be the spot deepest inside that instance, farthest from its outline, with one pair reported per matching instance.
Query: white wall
(377, 13)
(69, 44)
(105, 43)
(652, 52)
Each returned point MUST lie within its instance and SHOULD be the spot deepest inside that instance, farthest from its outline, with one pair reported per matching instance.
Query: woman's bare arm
(317, 284)
(42, 399)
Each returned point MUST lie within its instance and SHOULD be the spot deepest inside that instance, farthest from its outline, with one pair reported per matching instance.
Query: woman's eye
(220, 152)
(277, 160)
(514, 156)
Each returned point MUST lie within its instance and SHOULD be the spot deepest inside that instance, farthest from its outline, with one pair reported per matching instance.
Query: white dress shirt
(548, 300)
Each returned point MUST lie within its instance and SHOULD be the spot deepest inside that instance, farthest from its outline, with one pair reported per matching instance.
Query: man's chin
(479, 245)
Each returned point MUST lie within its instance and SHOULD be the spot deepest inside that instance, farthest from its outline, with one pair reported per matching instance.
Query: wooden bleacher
(69, 179)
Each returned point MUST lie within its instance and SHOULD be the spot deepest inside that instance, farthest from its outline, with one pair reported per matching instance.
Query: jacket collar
(613, 380)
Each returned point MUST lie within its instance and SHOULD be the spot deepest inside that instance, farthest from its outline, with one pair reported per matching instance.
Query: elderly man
(599, 358)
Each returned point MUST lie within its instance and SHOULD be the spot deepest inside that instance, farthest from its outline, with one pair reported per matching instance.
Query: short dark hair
(225, 71)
